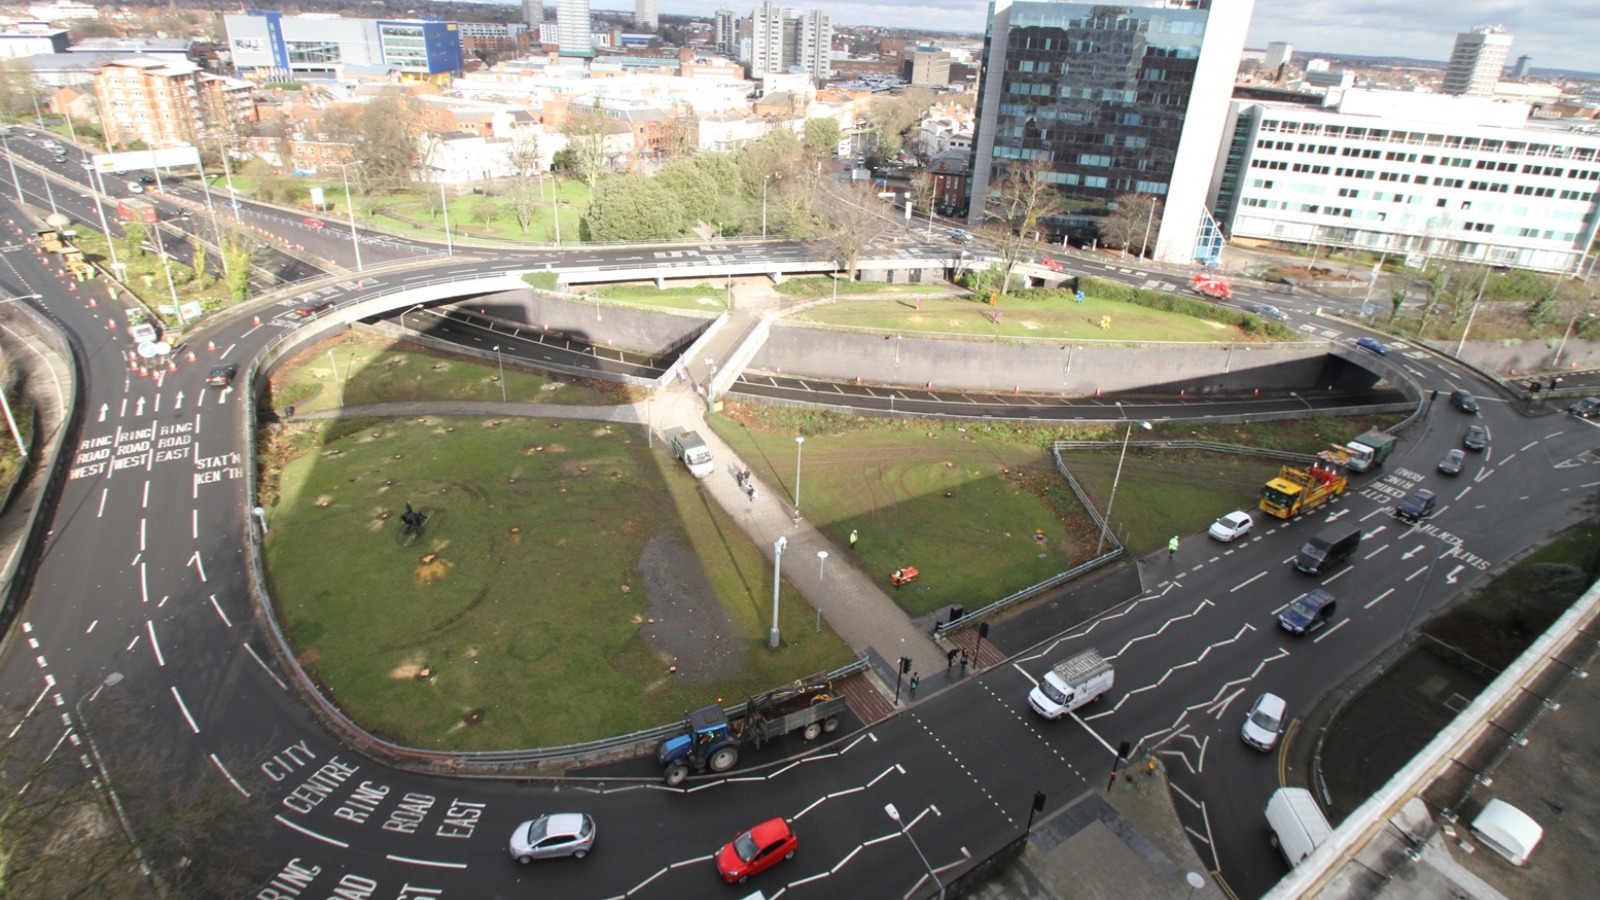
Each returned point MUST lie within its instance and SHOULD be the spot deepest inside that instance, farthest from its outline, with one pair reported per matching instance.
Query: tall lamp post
(777, 569)
(822, 568)
(500, 364)
(403, 315)
(895, 815)
(764, 180)
(1563, 345)
(12, 162)
(1106, 525)
(799, 448)
(355, 239)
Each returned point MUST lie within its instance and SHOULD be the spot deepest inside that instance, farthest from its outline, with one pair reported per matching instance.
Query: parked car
(1452, 462)
(313, 222)
(1232, 526)
(222, 375)
(1268, 311)
(1587, 408)
(1476, 438)
(1464, 401)
(1264, 722)
(311, 308)
(1372, 344)
(756, 850)
(553, 835)
(1417, 505)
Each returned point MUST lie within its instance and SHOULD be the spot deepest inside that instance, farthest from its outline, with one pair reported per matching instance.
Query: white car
(1264, 722)
(549, 836)
(1232, 526)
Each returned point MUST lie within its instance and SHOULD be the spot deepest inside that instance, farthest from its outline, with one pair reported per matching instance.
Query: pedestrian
(747, 477)
(914, 683)
(950, 658)
(1172, 546)
(852, 539)
(964, 661)
(750, 491)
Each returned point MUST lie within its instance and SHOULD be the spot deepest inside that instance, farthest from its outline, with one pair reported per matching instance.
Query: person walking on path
(914, 683)
(750, 491)
(852, 539)
(1172, 546)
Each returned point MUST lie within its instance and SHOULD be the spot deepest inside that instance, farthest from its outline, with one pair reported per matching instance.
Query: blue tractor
(711, 741)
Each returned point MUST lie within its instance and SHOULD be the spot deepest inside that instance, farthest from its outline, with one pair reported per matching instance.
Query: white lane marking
(306, 831)
(1378, 599)
(49, 685)
(141, 529)
(144, 586)
(252, 651)
(199, 566)
(425, 862)
(1330, 631)
(194, 523)
(185, 709)
(1237, 587)
(155, 645)
(228, 775)
(102, 510)
(91, 626)
(1376, 552)
(145, 503)
(220, 613)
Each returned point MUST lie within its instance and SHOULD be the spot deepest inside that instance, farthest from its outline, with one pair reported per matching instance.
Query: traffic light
(983, 630)
(905, 664)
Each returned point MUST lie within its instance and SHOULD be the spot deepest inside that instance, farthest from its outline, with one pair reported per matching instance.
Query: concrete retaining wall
(644, 330)
(1046, 368)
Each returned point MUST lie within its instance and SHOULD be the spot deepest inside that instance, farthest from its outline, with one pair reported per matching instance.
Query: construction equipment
(1212, 286)
(50, 239)
(711, 739)
(1296, 490)
(72, 258)
(1370, 450)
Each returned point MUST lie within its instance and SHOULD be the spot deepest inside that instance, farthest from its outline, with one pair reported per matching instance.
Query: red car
(757, 850)
(1052, 265)
(311, 308)
(313, 223)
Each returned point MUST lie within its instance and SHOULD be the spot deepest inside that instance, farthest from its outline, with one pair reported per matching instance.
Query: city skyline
(1555, 33)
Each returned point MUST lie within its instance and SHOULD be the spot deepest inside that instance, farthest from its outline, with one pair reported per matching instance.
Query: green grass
(145, 277)
(374, 371)
(525, 599)
(1056, 318)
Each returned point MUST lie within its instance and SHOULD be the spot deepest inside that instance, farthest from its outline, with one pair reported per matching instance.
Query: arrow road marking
(103, 408)
(1451, 578)
(1413, 552)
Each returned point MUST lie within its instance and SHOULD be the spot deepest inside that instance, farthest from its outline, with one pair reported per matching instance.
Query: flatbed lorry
(1368, 451)
(711, 738)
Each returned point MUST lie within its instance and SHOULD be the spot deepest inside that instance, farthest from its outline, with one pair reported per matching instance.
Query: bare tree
(852, 222)
(525, 197)
(1018, 201)
(1133, 218)
(586, 131)
(522, 155)
(60, 837)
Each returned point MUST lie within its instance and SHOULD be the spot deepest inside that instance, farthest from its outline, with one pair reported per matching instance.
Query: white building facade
(1444, 178)
(572, 28)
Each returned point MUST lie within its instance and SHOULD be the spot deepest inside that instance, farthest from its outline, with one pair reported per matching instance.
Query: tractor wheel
(830, 724)
(724, 759)
(677, 774)
(812, 731)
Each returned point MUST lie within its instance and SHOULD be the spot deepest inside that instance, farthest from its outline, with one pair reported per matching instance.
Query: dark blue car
(1372, 344)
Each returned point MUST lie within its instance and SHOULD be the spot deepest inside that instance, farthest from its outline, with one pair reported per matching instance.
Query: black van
(1328, 550)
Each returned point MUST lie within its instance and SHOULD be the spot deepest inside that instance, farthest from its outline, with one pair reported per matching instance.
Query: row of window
(1426, 159)
(1383, 196)
(1492, 187)
(1448, 141)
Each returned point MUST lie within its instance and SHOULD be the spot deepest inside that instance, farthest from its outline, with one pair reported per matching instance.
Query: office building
(1418, 175)
(725, 31)
(1520, 70)
(313, 45)
(533, 14)
(1130, 99)
(766, 39)
(928, 67)
(644, 15)
(813, 45)
(1477, 62)
(572, 28)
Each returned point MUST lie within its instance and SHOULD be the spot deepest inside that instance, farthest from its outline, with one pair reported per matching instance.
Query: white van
(1297, 823)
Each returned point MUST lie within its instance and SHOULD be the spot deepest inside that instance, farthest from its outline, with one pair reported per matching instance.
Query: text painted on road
(135, 448)
(297, 876)
(459, 818)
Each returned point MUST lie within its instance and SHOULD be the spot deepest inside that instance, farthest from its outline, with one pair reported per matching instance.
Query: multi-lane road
(146, 576)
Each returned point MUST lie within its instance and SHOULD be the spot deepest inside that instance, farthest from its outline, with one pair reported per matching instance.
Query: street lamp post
(12, 162)
(1563, 345)
(403, 315)
(355, 239)
(336, 384)
(1115, 480)
(764, 180)
(449, 248)
(822, 568)
(799, 448)
(777, 569)
(500, 363)
(895, 815)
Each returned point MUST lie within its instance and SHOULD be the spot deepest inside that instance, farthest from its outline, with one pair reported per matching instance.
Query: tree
(634, 208)
(586, 130)
(133, 234)
(1133, 218)
(1018, 201)
(851, 223)
(821, 138)
(239, 259)
(692, 186)
(60, 837)
(683, 134)
(525, 198)
(1397, 299)
(484, 209)
(522, 155)
(922, 192)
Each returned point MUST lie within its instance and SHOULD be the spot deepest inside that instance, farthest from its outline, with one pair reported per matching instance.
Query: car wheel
(579, 854)
(723, 760)
(812, 731)
(743, 878)
(677, 774)
(830, 724)
(524, 859)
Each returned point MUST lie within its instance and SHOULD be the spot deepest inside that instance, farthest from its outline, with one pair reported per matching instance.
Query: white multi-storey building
(572, 28)
(1447, 178)
(814, 45)
(782, 40)
(644, 15)
(726, 31)
(1477, 62)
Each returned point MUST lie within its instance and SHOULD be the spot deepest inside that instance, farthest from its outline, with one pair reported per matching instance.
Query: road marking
(1258, 576)
(144, 585)
(102, 510)
(228, 775)
(1464, 492)
(222, 615)
(1331, 579)
(199, 566)
(309, 833)
(425, 862)
(1378, 599)
(1376, 552)
(1416, 573)
(144, 504)
(270, 674)
(184, 709)
(1330, 631)
(141, 527)
(151, 627)
(49, 684)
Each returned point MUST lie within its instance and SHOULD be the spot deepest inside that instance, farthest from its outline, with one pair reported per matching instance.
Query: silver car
(556, 834)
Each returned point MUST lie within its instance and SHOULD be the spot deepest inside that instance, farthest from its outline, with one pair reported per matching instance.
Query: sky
(1558, 34)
